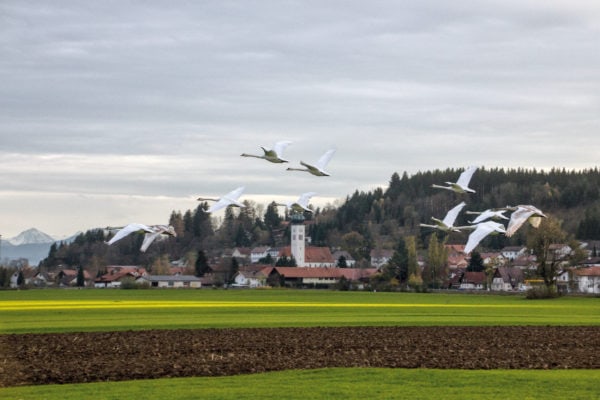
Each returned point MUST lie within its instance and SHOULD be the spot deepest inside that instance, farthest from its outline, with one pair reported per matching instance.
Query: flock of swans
(274, 155)
(485, 223)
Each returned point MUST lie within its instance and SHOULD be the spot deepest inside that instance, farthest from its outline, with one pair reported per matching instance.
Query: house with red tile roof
(587, 279)
(314, 257)
(316, 277)
(472, 281)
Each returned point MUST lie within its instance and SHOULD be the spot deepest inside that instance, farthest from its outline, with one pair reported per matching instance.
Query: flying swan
(520, 215)
(481, 230)
(319, 168)
(230, 199)
(494, 214)
(447, 224)
(462, 185)
(151, 233)
(273, 155)
(299, 205)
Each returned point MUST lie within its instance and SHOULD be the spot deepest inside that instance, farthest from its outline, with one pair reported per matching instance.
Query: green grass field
(338, 383)
(44, 311)
(110, 310)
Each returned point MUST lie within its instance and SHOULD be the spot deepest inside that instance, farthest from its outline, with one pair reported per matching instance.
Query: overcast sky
(121, 111)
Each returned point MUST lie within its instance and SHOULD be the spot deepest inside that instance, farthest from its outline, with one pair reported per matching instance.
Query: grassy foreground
(339, 383)
(43, 311)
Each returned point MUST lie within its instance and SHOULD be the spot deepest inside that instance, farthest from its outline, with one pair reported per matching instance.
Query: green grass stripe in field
(125, 304)
(338, 383)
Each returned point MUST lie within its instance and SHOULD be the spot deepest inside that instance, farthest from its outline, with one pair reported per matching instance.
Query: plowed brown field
(103, 356)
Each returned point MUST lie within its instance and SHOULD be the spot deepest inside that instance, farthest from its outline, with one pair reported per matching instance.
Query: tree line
(385, 218)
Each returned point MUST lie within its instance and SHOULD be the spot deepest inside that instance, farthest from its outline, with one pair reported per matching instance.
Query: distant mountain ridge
(31, 244)
(31, 236)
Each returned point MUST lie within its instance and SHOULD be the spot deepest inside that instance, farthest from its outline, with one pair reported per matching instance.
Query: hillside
(365, 220)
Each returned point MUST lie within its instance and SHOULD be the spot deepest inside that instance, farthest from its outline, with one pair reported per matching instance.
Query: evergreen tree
(341, 263)
(475, 263)
(233, 269)
(272, 218)
(201, 265)
(397, 266)
(80, 277)
(20, 279)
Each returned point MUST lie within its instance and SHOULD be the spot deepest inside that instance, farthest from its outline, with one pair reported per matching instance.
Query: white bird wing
(304, 199)
(521, 215)
(487, 214)
(235, 194)
(228, 199)
(148, 239)
(517, 219)
(279, 147)
(129, 229)
(465, 177)
(452, 214)
(481, 231)
(324, 159)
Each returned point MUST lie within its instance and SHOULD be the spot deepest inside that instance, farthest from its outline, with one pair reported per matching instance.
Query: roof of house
(509, 274)
(512, 248)
(307, 272)
(321, 272)
(312, 254)
(589, 271)
(473, 277)
(243, 250)
(171, 278)
(115, 277)
(259, 250)
(355, 274)
(338, 253)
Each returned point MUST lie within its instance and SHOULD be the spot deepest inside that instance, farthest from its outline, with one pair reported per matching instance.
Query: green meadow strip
(338, 383)
(40, 311)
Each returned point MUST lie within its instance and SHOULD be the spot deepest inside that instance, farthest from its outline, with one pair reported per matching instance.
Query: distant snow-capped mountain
(31, 236)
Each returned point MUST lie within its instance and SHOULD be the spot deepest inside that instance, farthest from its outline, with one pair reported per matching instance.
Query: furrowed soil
(30, 359)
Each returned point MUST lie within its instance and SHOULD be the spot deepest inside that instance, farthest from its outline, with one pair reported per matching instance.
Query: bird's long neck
(252, 155)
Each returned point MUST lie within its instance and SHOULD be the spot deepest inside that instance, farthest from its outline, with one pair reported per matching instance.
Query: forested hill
(366, 220)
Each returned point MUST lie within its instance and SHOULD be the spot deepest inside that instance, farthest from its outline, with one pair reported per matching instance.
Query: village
(512, 269)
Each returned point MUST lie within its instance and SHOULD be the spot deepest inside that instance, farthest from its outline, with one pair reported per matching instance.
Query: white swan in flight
(299, 205)
(481, 230)
(447, 224)
(520, 215)
(273, 155)
(151, 233)
(494, 214)
(462, 184)
(230, 199)
(317, 169)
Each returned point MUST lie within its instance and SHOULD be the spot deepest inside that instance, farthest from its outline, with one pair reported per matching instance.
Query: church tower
(298, 239)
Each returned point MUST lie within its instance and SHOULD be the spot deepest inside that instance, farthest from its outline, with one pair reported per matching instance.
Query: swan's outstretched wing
(129, 229)
(465, 177)
(279, 147)
(489, 214)
(304, 199)
(234, 195)
(481, 231)
(148, 239)
(452, 214)
(521, 215)
(324, 159)
(230, 198)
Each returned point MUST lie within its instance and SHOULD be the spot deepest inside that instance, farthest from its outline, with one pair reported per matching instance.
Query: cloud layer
(132, 103)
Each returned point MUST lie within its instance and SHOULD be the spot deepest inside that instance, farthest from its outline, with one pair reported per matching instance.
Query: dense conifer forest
(381, 218)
